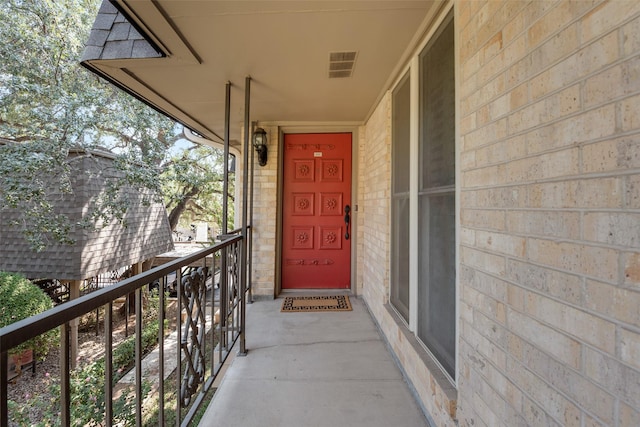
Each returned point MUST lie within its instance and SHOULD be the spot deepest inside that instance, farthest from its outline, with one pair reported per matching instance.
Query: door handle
(347, 220)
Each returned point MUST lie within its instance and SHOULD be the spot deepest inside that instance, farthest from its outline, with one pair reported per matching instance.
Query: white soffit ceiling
(285, 46)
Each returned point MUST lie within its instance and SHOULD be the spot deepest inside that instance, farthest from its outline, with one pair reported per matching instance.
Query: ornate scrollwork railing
(192, 344)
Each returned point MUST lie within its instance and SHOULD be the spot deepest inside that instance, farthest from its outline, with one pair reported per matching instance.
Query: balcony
(313, 369)
(300, 368)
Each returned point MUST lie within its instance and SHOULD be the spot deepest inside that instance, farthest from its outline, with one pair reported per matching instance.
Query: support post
(245, 210)
(250, 231)
(225, 185)
(74, 292)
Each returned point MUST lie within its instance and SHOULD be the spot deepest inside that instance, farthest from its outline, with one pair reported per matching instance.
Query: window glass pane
(401, 105)
(401, 129)
(436, 295)
(400, 256)
(436, 200)
(438, 111)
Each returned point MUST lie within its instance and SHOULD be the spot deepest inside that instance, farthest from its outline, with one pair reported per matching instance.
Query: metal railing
(209, 322)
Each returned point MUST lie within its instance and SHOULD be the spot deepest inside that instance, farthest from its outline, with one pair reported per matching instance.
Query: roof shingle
(144, 233)
(113, 37)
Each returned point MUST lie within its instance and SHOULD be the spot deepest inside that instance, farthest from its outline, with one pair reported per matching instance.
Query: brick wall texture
(549, 231)
(548, 96)
(549, 283)
(265, 215)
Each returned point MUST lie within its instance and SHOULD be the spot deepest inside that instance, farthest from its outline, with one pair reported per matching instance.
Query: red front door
(316, 247)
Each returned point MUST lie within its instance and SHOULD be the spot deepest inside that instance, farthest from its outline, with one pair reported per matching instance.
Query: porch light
(260, 144)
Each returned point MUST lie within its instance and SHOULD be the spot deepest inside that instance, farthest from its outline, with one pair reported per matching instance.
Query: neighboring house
(142, 234)
(135, 241)
(489, 152)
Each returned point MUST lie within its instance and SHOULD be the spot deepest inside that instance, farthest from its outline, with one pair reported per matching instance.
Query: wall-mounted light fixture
(260, 144)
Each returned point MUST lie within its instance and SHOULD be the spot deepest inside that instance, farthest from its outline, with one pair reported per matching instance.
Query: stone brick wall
(549, 280)
(549, 233)
(375, 178)
(265, 219)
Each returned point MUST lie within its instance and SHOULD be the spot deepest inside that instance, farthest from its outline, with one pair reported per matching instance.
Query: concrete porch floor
(313, 369)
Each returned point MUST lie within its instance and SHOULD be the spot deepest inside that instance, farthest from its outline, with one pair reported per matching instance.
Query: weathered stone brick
(606, 17)
(614, 376)
(570, 382)
(620, 229)
(628, 416)
(630, 348)
(483, 261)
(557, 18)
(557, 224)
(582, 259)
(614, 83)
(558, 345)
(549, 165)
(630, 114)
(592, 193)
(611, 155)
(485, 219)
(555, 48)
(550, 282)
(502, 243)
(542, 404)
(632, 269)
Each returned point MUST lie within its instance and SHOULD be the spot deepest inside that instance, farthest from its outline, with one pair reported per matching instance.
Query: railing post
(4, 374)
(61, 316)
(108, 364)
(225, 184)
(138, 334)
(161, 316)
(65, 385)
(245, 200)
(179, 344)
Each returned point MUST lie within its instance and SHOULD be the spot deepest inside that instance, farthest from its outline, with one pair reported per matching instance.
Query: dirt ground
(90, 348)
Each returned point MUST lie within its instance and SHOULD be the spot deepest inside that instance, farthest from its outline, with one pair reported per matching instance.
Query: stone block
(630, 348)
(614, 376)
(558, 345)
(580, 259)
(613, 228)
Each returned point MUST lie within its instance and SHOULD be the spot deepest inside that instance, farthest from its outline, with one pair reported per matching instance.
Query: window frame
(413, 68)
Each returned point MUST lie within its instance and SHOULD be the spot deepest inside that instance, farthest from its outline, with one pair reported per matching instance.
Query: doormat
(317, 303)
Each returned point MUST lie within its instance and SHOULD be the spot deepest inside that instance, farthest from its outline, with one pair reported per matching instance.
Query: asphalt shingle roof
(144, 234)
(114, 37)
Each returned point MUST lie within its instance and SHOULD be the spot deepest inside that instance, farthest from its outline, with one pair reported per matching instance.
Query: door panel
(316, 246)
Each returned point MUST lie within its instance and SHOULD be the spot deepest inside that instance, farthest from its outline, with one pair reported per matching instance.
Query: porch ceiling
(283, 45)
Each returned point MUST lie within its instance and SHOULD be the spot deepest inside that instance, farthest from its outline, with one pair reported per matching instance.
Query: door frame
(351, 128)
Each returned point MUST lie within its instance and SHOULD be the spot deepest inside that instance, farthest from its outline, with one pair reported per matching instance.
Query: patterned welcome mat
(317, 303)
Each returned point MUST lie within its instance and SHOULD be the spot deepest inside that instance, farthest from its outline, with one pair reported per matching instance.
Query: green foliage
(19, 299)
(50, 105)
(87, 389)
(124, 354)
(192, 181)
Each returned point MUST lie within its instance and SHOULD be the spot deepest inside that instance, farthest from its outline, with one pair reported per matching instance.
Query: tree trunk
(179, 208)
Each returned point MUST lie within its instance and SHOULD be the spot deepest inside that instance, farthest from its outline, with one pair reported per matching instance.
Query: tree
(50, 105)
(193, 185)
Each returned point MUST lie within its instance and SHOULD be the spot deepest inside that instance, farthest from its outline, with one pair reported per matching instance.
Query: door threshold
(315, 292)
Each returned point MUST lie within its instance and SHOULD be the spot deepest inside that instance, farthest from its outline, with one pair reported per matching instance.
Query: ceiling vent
(341, 64)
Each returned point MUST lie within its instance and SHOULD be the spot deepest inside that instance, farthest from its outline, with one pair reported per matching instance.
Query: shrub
(87, 390)
(20, 299)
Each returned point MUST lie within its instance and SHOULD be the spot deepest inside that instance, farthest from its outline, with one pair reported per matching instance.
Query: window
(436, 195)
(401, 99)
(429, 304)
